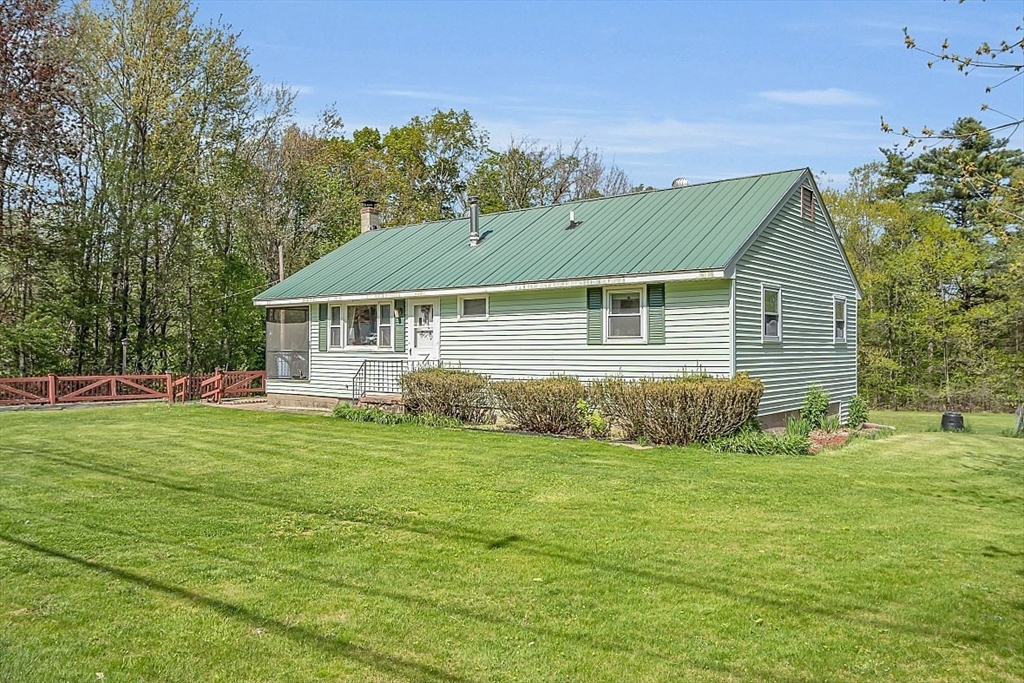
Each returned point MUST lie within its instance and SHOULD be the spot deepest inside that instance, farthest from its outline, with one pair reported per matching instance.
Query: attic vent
(807, 203)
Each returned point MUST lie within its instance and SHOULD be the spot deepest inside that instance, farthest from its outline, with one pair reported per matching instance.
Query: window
(473, 307)
(334, 328)
(771, 313)
(288, 343)
(807, 203)
(839, 318)
(369, 325)
(384, 327)
(624, 315)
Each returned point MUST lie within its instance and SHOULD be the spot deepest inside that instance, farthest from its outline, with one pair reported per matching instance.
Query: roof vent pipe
(369, 216)
(474, 221)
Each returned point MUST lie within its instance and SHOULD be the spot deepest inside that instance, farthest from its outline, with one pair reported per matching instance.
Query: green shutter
(322, 328)
(400, 325)
(595, 324)
(656, 313)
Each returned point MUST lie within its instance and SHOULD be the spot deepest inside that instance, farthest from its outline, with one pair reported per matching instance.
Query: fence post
(51, 389)
(218, 386)
(170, 388)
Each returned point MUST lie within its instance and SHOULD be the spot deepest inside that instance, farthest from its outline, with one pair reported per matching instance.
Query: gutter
(610, 280)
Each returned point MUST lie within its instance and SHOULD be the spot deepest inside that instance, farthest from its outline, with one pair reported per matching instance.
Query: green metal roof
(697, 227)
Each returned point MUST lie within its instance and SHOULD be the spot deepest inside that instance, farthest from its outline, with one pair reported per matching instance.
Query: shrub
(446, 392)
(593, 422)
(546, 406)
(815, 407)
(750, 439)
(346, 412)
(857, 412)
(680, 410)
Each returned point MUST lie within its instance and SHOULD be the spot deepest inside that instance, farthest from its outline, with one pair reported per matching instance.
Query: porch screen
(288, 343)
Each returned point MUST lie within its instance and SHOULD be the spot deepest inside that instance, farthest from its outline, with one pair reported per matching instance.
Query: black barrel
(952, 422)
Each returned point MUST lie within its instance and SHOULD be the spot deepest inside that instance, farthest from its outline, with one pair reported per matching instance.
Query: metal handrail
(384, 376)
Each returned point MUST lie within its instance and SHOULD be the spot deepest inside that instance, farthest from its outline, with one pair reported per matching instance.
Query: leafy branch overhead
(1006, 56)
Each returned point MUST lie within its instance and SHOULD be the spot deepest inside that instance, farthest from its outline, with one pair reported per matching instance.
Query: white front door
(425, 329)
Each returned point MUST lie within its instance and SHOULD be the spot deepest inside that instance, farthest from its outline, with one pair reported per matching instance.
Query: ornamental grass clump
(678, 411)
(446, 392)
(547, 406)
(753, 440)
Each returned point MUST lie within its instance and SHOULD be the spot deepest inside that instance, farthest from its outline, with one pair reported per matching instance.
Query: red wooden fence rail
(53, 390)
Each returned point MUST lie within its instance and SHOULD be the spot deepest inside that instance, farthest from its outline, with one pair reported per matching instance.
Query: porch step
(389, 402)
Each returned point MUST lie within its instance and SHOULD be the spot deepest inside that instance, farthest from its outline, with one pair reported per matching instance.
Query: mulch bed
(821, 440)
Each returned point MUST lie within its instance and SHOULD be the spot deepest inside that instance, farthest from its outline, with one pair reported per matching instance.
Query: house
(722, 277)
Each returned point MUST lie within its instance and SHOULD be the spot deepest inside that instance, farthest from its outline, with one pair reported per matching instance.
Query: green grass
(991, 424)
(154, 543)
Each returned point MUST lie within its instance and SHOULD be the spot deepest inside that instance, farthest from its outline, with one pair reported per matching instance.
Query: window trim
(487, 307)
(836, 298)
(341, 327)
(361, 348)
(806, 203)
(607, 312)
(778, 290)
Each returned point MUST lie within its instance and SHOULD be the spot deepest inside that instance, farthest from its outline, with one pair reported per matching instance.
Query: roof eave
(597, 281)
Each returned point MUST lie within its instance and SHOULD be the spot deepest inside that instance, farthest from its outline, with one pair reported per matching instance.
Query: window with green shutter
(595, 315)
(656, 313)
(321, 328)
(399, 325)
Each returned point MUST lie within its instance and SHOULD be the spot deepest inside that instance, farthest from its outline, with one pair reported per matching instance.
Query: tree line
(149, 178)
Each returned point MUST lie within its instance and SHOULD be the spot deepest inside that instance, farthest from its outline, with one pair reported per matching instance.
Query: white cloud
(829, 97)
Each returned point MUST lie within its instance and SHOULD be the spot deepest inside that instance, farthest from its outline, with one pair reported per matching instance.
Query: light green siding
(544, 332)
(804, 259)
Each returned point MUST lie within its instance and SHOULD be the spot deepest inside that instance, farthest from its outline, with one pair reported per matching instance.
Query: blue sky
(705, 90)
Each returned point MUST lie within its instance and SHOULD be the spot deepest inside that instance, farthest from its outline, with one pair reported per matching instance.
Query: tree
(527, 174)
(1005, 56)
(35, 138)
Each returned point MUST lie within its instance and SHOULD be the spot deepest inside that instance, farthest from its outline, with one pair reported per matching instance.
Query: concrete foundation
(302, 401)
(777, 420)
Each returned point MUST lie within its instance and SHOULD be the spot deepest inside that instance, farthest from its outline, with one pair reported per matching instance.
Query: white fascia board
(606, 281)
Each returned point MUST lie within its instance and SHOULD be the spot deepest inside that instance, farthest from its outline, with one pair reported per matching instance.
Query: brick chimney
(369, 216)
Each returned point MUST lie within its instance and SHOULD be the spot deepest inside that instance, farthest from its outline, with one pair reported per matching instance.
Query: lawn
(155, 543)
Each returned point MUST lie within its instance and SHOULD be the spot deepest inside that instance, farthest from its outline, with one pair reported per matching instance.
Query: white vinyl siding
(544, 332)
(803, 259)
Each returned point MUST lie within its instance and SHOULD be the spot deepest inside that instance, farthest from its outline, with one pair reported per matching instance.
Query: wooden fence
(53, 390)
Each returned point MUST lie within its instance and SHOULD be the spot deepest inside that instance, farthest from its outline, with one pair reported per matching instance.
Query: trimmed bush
(815, 408)
(546, 406)
(678, 411)
(857, 412)
(445, 392)
(345, 412)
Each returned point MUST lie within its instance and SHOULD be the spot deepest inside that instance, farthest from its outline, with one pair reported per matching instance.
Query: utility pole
(280, 262)
(124, 356)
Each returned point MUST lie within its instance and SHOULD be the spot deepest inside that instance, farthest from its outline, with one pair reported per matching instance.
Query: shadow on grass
(364, 655)
(795, 605)
(407, 599)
